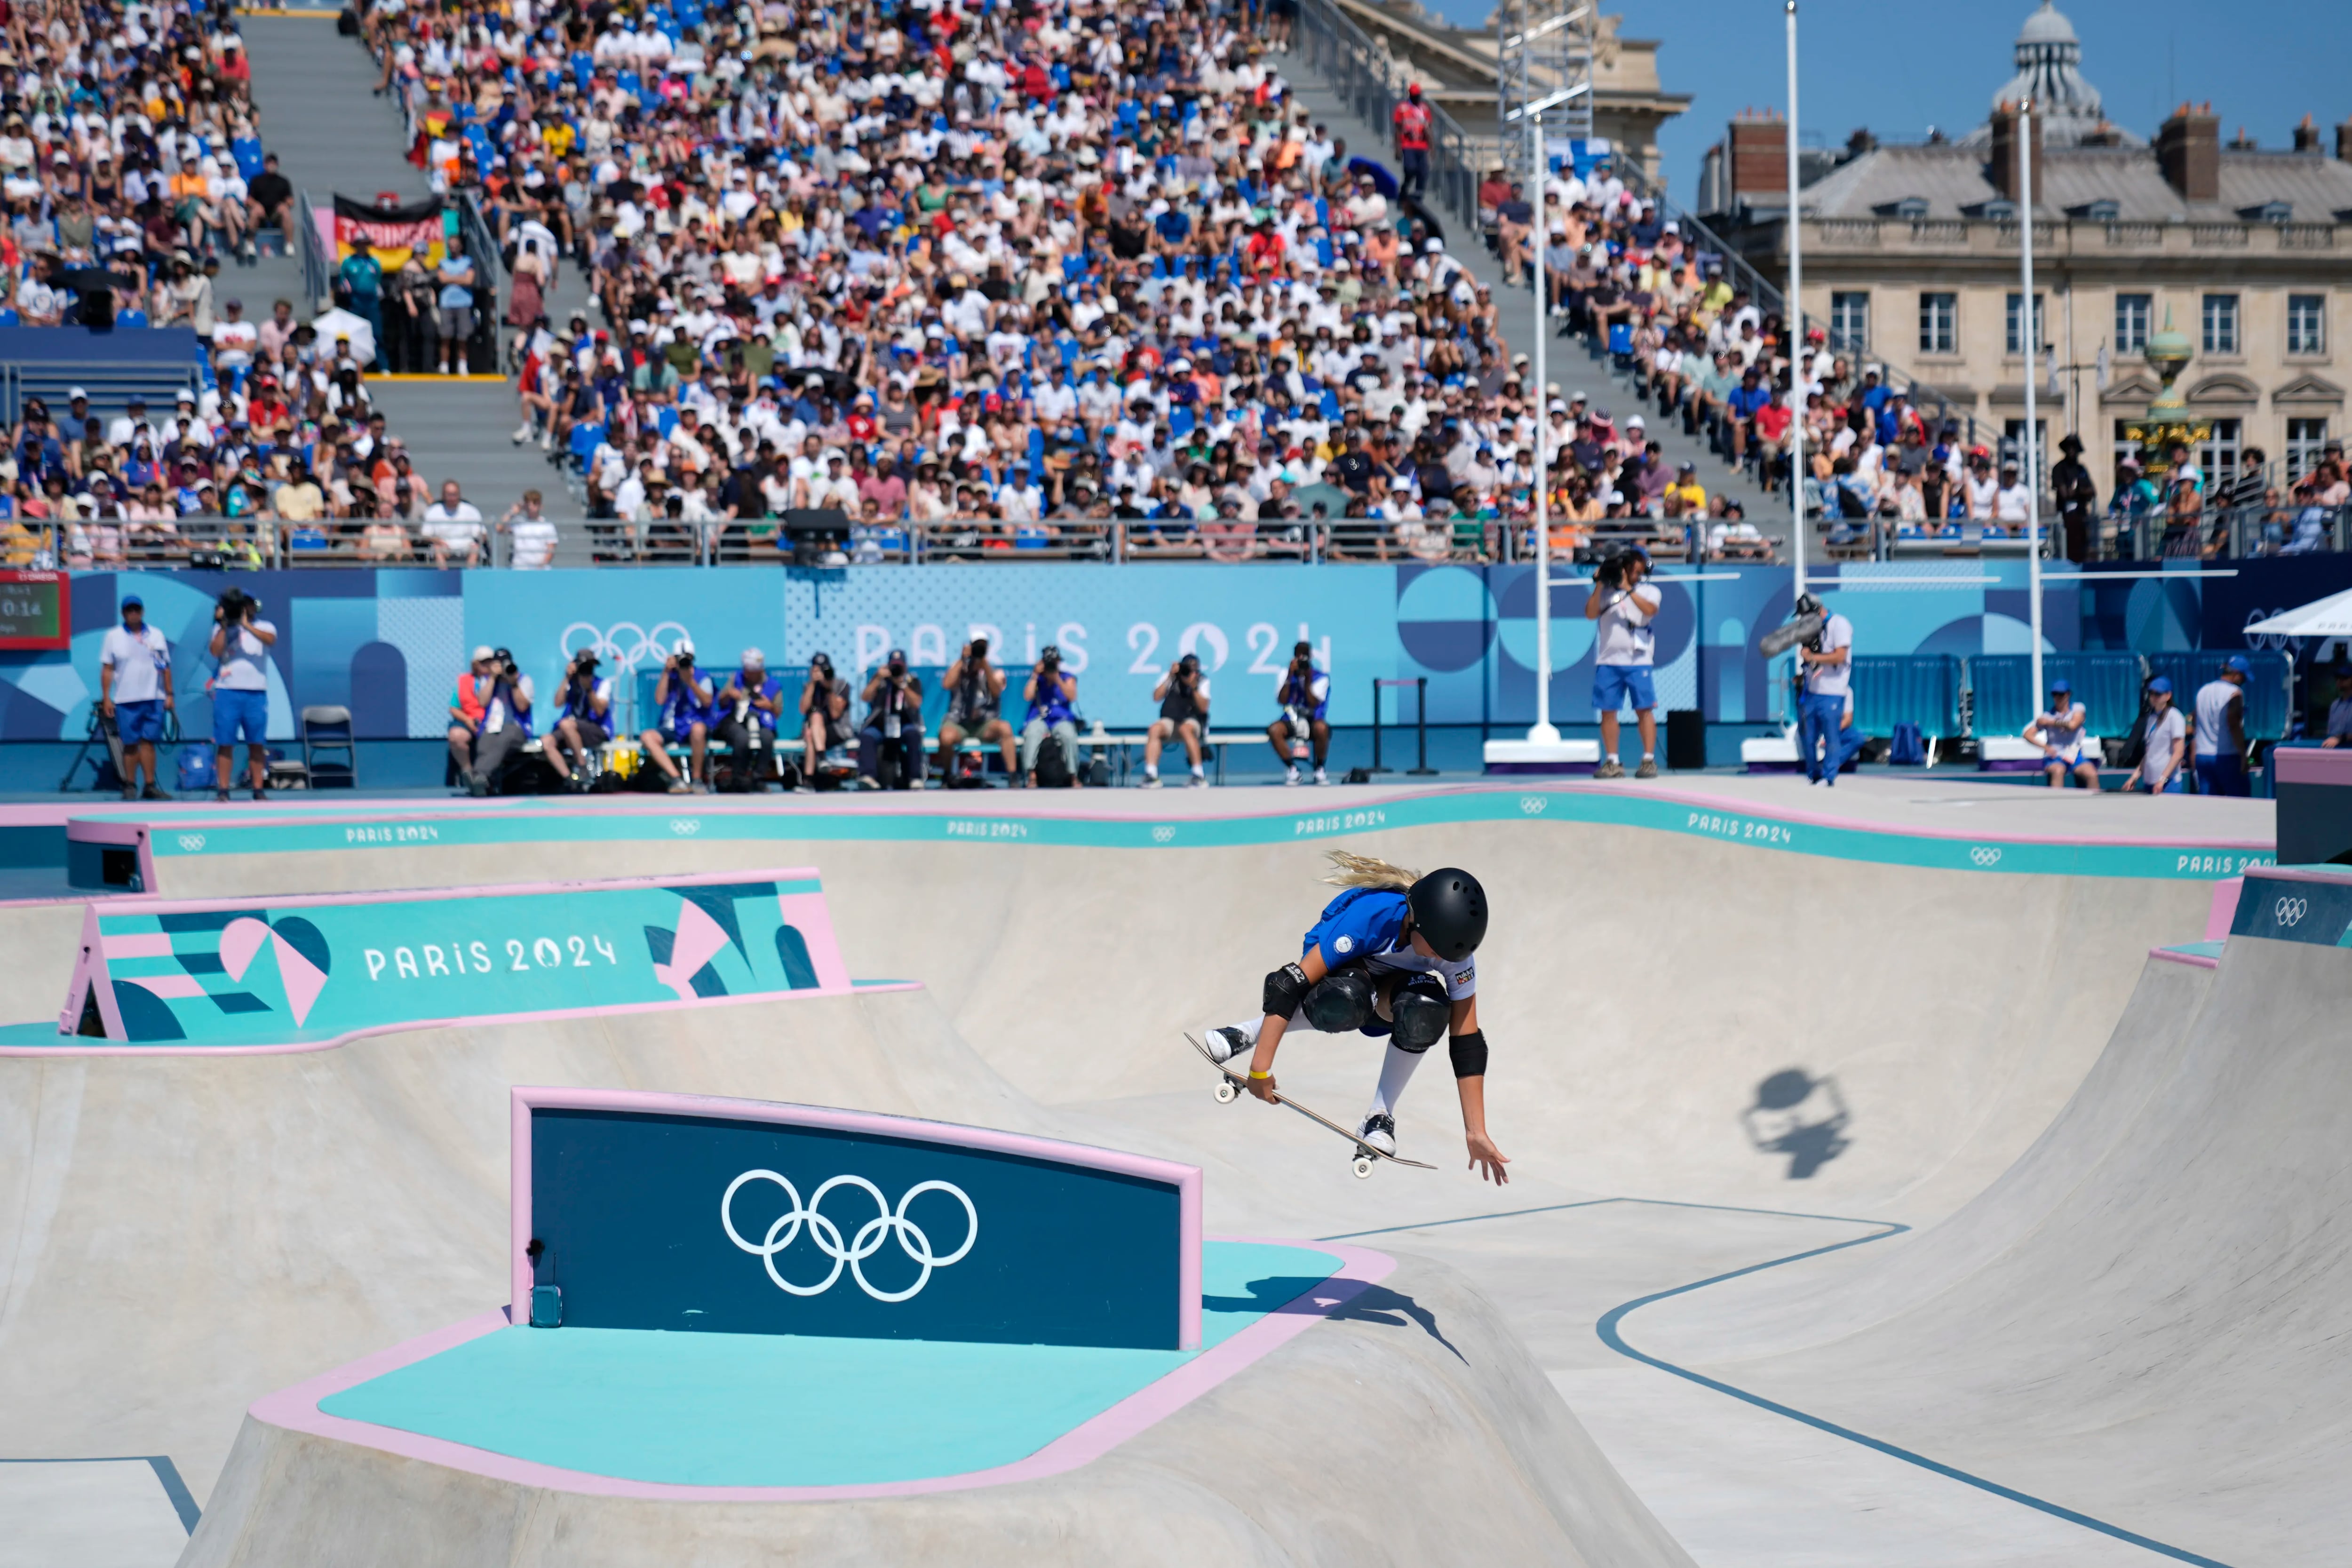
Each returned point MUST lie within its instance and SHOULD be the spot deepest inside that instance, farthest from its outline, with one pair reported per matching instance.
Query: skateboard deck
(1235, 1085)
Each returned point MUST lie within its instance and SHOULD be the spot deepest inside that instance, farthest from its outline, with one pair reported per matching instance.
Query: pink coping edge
(2223, 909)
(296, 1409)
(2194, 960)
(2312, 764)
(159, 906)
(1076, 811)
(528, 1098)
(297, 1048)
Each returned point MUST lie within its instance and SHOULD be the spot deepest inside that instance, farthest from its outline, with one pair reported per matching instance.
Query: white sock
(1612, 756)
(1649, 756)
(1249, 1028)
(1150, 771)
(1196, 769)
(1396, 1071)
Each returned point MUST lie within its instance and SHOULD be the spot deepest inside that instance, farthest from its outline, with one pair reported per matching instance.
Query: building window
(2132, 313)
(2013, 448)
(2306, 443)
(1850, 322)
(1939, 323)
(2217, 453)
(2013, 323)
(2306, 331)
(2220, 323)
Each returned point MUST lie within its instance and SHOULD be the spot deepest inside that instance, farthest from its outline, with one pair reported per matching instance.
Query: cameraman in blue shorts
(1623, 648)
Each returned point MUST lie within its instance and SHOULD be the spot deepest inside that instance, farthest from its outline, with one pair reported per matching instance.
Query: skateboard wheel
(1227, 1092)
(1364, 1166)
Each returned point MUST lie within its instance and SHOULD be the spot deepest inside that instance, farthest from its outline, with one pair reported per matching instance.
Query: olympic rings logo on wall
(867, 1240)
(685, 827)
(624, 645)
(1533, 805)
(2290, 912)
(193, 843)
(1162, 834)
(1985, 855)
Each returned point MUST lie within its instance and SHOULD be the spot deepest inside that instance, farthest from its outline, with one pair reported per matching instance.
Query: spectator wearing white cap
(746, 712)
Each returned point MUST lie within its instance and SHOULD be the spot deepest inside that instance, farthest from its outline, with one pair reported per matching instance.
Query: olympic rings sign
(863, 1245)
(193, 843)
(625, 645)
(1162, 834)
(1533, 805)
(1985, 855)
(2290, 912)
(685, 827)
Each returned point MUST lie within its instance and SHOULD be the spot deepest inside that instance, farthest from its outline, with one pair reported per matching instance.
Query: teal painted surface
(2196, 949)
(256, 975)
(1763, 830)
(770, 1410)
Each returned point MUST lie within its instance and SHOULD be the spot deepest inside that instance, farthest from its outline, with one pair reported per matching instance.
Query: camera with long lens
(1610, 570)
(1805, 626)
(235, 605)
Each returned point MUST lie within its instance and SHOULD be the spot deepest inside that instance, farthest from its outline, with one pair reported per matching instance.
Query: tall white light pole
(1796, 331)
(2033, 346)
(1543, 732)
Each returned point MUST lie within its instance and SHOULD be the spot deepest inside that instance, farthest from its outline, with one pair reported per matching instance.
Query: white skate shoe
(1379, 1131)
(1225, 1044)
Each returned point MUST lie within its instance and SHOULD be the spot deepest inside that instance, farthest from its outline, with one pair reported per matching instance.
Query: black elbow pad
(1285, 988)
(1469, 1053)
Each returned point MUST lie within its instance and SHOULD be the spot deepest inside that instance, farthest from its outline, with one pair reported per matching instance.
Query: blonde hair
(1352, 870)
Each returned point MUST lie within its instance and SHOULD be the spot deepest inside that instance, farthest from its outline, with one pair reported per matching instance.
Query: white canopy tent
(2328, 618)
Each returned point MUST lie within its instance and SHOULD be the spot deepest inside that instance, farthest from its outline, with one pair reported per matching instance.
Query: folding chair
(328, 730)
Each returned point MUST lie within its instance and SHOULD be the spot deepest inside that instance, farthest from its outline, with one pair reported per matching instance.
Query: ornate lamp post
(2168, 422)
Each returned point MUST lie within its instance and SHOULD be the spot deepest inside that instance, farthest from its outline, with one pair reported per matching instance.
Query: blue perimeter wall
(388, 644)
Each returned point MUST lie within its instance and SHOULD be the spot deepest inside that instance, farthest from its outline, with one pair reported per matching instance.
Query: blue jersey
(1367, 925)
(686, 705)
(1311, 696)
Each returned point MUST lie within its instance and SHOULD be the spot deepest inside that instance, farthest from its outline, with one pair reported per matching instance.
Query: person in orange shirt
(1265, 251)
(1380, 250)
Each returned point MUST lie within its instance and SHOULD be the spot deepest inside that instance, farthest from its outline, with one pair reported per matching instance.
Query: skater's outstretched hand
(1487, 1160)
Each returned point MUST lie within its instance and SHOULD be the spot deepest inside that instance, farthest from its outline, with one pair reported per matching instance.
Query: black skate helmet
(1449, 908)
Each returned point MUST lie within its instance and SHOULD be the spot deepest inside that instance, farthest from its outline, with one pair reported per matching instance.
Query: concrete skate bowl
(186, 1233)
(2141, 1322)
(1686, 1031)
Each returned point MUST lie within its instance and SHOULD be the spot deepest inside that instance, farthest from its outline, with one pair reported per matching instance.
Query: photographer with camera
(1827, 661)
(1304, 693)
(1623, 648)
(134, 692)
(1182, 694)
(894, 727)
(489, 717)
(583, 720)
(824, 717)
(1051, 694)
(240, 645)
(975, 692)
(682, 700)
(745, 716)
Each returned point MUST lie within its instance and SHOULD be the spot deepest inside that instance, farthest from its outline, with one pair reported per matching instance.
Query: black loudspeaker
(1686, 740)
(814, 531)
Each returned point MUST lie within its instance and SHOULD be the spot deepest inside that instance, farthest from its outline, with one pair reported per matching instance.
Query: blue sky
(1900, 70)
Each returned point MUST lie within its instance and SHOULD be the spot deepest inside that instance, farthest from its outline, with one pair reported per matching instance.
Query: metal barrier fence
(110, 384)
(218, 543)
(1983, 695)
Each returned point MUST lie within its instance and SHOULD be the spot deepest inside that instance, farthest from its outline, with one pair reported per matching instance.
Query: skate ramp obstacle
(1433, 1438)
(305, 972)
(1032, 1353)
(2141, 1322)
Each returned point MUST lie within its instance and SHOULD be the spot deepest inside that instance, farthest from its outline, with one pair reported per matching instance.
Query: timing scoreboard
(36, 610)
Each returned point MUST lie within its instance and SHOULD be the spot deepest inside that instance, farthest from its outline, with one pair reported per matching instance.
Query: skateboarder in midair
(1390, 957)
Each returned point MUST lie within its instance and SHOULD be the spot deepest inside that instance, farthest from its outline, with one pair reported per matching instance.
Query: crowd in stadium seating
(1028, 267)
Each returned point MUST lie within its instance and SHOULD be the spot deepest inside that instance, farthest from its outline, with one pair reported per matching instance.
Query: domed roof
(2047, 25)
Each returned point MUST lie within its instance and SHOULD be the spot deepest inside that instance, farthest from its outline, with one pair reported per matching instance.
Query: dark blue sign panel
(650, 1219)
(2308, 909)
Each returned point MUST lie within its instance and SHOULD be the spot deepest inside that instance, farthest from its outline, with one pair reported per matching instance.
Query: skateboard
(1232, 1085)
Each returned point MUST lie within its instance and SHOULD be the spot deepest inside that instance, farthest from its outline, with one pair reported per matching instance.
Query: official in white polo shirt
(2221, 730)
(1624, 640)
(1828, 665)
(134, 689)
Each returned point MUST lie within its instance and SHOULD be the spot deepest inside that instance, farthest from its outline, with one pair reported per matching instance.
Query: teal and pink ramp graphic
(735, 1300)
(299, 973)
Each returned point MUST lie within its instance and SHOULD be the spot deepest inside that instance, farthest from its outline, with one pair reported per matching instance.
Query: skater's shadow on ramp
(1297, 1294)
(1800, 1116)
